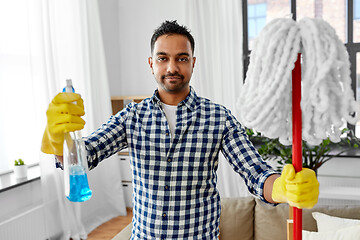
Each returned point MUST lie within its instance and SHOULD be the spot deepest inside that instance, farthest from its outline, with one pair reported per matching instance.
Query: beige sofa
(250, 219)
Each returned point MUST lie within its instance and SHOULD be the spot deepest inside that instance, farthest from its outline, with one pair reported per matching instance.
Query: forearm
(268, 187)
(60, 159)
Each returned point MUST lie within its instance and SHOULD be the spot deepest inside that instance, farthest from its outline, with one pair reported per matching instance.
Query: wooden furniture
(290, 225)
(119, 102)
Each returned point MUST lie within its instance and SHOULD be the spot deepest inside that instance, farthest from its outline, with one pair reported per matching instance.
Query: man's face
(172, 63)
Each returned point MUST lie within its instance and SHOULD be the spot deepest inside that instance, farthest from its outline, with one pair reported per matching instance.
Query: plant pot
(20, 171)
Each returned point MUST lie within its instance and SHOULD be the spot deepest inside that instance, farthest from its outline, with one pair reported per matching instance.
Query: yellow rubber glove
(299, 189)
(63, 115)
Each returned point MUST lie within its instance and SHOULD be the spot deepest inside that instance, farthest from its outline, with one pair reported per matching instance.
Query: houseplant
(313, 156)
(20, 169)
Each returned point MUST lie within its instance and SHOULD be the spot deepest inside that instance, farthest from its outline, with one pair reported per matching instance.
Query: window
(333, 12)
(356, 9)
(356, 22)
(342, 15)
(259, 12)
(256, 19)
(17, 93)
(255, 16)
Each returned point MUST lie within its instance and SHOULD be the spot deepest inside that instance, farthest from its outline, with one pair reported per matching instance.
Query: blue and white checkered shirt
(174, 179)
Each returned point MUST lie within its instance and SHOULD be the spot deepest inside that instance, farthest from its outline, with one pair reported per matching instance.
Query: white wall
(128, 27)
(340, 181)
(341, 167)
(109, 17)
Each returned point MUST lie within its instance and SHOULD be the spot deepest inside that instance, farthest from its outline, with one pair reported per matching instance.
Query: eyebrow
(179, 54)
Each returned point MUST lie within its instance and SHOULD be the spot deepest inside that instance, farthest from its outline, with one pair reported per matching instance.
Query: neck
(173, 98)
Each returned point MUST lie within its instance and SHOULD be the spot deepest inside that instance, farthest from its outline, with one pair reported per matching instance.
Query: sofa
(248, 218)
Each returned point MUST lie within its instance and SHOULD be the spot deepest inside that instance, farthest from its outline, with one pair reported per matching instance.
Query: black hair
(171, 27)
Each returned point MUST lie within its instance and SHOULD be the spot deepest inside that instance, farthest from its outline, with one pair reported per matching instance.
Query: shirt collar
(190, 101)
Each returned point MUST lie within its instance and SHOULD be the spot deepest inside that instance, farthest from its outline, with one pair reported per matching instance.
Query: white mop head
(327, 98)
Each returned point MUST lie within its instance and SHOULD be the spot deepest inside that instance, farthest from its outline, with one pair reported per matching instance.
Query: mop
(312, 108)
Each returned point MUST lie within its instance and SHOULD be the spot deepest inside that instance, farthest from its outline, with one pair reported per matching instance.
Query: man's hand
(299, 189)
(63, 115)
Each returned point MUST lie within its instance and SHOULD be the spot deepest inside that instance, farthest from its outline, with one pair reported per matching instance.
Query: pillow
(348, 233)
(270, 221)
(236, 219)
(328, 223)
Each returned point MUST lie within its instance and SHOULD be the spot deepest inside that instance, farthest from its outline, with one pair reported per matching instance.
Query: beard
(173, 82)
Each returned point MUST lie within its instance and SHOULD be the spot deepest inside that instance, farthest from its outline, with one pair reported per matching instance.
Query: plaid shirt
(174, 179)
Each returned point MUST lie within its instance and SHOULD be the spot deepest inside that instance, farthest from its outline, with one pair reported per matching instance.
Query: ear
(194, 60)
(150, 61)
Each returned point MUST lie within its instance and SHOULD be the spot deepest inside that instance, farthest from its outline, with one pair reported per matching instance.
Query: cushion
(348, 233)
(309, 223)
(270, 221)
(236, 219)
(329, 223)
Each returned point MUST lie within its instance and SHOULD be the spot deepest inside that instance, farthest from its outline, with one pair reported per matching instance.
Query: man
(174, 139)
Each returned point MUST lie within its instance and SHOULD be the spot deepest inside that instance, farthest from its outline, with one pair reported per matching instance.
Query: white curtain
(217, 28)
(66, 43)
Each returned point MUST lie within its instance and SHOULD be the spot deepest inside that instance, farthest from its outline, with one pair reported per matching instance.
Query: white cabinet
(128, 190)
(125, 167)
(126, 177)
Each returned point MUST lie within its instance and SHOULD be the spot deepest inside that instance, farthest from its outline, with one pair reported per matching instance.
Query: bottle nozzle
(69, 83)
(69, 86)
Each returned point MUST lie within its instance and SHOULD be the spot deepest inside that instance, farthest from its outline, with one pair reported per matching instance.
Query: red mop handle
(297, 139)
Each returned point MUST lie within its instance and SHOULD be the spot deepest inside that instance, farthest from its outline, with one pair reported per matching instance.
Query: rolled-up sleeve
(244, 158)
(109, 139)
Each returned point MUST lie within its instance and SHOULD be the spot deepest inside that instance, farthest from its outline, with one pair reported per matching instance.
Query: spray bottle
(75, 163)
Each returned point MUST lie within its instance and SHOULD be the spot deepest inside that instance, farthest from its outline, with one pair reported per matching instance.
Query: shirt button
(169, 160)
(167, 134)
(166, 187)
(164, 215)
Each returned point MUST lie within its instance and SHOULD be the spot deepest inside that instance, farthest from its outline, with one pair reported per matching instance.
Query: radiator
(339, 190)
(29, 225)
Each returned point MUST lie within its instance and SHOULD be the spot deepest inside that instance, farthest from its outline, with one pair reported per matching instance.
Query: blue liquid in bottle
(75, 163)
(79, 186)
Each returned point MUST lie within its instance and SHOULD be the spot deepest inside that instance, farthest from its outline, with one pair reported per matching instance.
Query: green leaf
(19, 162)
(282, 152)
(288, 161)
(313, 156)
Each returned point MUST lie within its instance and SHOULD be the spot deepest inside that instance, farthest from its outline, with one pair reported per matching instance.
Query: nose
(172, 66)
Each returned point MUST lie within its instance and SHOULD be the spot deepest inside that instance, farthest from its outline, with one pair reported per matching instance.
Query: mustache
(172, 75)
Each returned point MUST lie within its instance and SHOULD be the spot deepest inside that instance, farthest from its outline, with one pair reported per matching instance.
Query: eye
(183, 59)
(161, 59)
